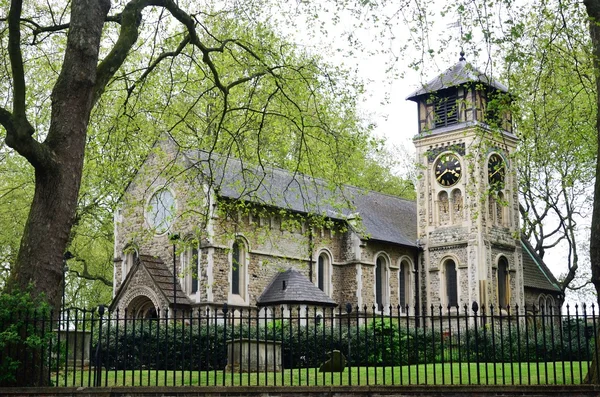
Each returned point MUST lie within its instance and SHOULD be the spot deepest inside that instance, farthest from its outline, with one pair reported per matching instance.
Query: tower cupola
(462, 96)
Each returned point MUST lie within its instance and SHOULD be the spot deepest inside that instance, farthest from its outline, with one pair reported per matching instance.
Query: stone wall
(274, 240)
(393, 255)
(311, 391)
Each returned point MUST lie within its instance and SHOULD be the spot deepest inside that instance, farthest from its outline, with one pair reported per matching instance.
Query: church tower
(467, 204)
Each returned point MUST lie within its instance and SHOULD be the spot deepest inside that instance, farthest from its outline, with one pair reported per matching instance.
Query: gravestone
(336, 362)
(77, 346)
(249, 355)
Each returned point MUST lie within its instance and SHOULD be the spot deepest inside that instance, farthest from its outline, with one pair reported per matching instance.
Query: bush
(24, 337)
(160, 344)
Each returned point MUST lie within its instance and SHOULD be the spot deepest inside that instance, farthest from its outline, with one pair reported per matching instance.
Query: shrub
(24, 337)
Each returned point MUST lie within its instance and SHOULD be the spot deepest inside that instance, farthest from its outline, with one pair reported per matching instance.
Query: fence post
(225, 319)
(348, 311)
(98, 364)
(475, 308)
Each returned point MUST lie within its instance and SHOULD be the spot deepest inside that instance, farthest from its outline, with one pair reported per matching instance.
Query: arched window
(194, 269)
(502, 279)
(550, 309)
(381, 283)
(451, 283)
(323, 272)
(541, 303)
(549, 312)
(238, 268)
(190, 259)
(130, 257)
(404, 285)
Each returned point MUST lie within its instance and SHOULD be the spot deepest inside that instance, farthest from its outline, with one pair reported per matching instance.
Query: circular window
(161, 210)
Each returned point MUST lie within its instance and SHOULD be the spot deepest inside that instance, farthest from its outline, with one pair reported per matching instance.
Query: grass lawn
(556, 373)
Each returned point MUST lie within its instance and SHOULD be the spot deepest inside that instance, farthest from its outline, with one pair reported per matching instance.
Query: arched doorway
(142, 307)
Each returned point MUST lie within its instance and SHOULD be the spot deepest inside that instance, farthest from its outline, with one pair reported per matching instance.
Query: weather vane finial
(458, 25)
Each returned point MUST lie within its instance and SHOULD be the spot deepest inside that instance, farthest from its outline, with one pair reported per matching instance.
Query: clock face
(161, 210)
(496, 171)
(448, 169)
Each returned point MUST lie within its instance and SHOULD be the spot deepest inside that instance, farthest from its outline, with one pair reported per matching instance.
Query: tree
(58, 160)
(549, 74)
(593, 11)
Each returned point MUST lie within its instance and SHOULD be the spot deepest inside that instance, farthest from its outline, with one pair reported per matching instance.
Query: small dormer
(460, 96)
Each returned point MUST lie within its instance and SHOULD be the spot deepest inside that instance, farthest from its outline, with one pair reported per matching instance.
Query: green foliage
(156, 344)
(24, 336)
(534, 342)
(16, 191)
(556, 101)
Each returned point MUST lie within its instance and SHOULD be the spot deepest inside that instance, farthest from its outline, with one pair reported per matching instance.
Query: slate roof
(162, 279)
(292, 287)
(461, 73)
(535, 272)
(384, 217)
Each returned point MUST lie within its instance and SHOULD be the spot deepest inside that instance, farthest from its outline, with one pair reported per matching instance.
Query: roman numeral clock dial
(448, 169)
(496, 171)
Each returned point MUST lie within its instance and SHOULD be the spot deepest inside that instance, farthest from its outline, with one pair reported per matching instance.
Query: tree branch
(131, 18)
(16, 58)
(85, 274)
(38, 29)
(18, 129)
(161, 57)
(6, 121)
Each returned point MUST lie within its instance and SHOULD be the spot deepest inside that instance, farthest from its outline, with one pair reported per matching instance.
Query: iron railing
(281, 346)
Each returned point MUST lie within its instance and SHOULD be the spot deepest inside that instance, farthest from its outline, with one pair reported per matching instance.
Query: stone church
(196, 230)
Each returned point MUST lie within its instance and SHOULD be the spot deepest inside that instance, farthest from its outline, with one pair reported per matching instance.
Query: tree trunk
(58, 163)
(57, 181)
(593, 10)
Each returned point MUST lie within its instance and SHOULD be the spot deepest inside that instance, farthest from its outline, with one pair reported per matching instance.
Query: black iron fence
(299, 346)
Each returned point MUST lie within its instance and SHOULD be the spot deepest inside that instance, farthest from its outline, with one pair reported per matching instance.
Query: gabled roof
(535, 272)
(161, 276)
(291, 287)
(384, 217)
(459, 74)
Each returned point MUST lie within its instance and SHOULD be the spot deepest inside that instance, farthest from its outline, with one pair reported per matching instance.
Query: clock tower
(467, 204)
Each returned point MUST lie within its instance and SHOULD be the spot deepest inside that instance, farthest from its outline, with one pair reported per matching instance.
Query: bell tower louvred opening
(446, 109)
(463, 95)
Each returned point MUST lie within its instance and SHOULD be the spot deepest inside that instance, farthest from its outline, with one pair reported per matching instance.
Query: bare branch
(161, 57)
(85, 274)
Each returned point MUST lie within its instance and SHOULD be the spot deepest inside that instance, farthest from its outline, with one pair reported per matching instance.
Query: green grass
(558, 373)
